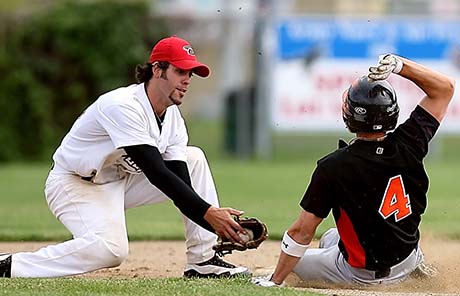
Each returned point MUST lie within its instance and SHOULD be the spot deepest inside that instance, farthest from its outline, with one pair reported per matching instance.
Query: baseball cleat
(5, 265)
(214, 268)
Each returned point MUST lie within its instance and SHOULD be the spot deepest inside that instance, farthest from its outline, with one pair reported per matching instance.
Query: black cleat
(5, 265)
(215, 268)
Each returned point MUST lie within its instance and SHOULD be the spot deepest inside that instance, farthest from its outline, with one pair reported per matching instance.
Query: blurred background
(270, 109)
(278, 67)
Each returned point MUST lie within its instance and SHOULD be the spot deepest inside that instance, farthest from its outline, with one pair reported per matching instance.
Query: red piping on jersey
(356, 254)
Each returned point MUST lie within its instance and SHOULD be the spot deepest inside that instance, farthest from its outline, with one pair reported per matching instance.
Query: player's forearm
(285, 266)
(437, 86)
(294, 244)
(180, 169)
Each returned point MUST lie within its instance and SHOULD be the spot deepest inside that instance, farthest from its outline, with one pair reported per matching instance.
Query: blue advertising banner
(361, 38)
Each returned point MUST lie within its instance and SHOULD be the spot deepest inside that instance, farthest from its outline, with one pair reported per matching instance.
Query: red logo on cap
(189, 50)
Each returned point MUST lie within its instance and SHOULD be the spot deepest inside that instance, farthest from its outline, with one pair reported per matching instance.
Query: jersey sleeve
(125, 125)
(417, 131)
(318, 198)
(177, 150)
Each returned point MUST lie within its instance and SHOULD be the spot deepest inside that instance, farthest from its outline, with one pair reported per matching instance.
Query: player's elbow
(445, 90)
(304, 228)
(449, 88)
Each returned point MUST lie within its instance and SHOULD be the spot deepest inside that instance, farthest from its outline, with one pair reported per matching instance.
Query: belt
(382, 273)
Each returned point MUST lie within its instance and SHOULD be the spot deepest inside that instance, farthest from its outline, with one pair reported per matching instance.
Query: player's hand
(222, 221)
(388, 64)
(265, 281)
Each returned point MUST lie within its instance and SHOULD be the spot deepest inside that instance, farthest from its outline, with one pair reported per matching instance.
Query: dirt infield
(167, 259)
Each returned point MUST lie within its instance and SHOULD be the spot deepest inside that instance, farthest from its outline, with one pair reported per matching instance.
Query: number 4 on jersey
(395, 201)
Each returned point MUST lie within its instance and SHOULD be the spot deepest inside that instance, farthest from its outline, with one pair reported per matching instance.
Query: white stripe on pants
(95, 215)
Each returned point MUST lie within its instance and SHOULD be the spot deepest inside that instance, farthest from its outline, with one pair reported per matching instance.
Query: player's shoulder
(333, 158)
(120, 96)
(174, 112)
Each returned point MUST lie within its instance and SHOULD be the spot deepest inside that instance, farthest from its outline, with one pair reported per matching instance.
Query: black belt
(382, 273)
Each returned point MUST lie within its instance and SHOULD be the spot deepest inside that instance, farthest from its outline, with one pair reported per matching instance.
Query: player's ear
(157, 70)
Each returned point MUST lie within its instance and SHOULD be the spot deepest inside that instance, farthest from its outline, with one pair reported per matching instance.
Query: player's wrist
(276, 281)
(290, 247)
(266, 281)
(398, 64)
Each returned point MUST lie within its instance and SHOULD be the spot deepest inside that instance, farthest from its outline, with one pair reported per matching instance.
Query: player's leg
(202, 260)
(199, 241)
(328, 264)
(325, 263)
(94, 214)
(397, 273)
(329, 238)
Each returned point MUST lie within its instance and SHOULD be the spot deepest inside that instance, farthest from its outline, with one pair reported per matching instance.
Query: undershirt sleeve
(179, 168)
(174, 183)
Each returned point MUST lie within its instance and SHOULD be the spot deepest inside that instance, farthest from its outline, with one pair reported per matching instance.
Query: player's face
(176, 83)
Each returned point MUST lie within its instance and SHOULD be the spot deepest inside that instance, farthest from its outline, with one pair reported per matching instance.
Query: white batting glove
(388, 64)
(265, 281)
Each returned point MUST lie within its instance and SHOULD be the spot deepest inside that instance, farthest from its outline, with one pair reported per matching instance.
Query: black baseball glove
(257, 231)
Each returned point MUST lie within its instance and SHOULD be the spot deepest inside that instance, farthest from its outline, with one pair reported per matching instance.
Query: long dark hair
(145, 71)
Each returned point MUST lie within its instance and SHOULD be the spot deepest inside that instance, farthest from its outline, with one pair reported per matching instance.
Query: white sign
(310, 73)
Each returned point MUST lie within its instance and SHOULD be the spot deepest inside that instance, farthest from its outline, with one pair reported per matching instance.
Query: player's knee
(194, 152)
(195, 156)
(113, 252)
(329, 238)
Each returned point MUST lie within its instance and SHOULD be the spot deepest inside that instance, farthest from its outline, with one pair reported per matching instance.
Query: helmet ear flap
(347, 114)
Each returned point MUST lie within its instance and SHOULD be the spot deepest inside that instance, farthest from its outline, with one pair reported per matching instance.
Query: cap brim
(198, 68)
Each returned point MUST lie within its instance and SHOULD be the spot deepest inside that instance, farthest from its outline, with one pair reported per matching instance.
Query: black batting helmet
(370, 106)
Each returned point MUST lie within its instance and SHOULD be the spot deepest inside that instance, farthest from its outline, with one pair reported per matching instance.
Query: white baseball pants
(327, 264)
(95, 215)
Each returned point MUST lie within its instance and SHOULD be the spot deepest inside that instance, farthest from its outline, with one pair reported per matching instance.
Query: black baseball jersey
(377, 193)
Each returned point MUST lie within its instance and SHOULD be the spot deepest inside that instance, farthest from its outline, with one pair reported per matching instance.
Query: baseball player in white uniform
(127, 149)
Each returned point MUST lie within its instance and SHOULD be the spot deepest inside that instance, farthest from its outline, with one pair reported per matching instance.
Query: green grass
(443, 199)
(24, 212)
(269, 190)
(163, 287)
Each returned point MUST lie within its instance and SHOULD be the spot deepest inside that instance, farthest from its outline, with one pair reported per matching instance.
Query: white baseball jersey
(119, 118)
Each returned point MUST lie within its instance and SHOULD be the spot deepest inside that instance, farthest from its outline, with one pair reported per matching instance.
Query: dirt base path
(161, 259)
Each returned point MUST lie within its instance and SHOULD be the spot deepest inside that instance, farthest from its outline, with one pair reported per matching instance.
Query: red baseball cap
(179, 53)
